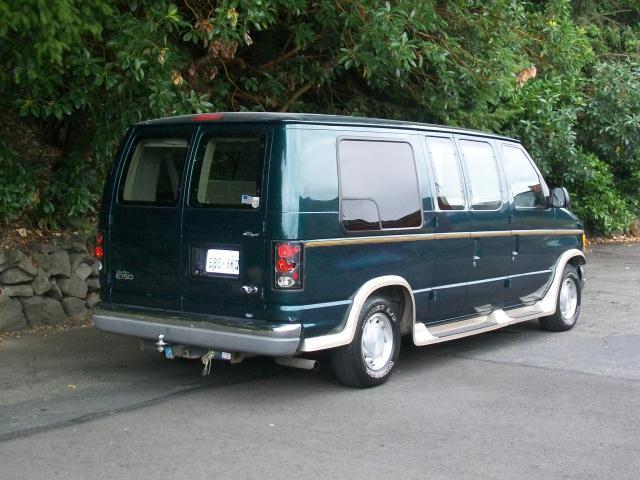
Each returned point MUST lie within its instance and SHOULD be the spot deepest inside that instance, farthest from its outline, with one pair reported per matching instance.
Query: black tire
(557, 322)
(348, 361)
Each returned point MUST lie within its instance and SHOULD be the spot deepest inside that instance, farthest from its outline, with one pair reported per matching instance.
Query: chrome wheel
(377, 341)
(568, 299)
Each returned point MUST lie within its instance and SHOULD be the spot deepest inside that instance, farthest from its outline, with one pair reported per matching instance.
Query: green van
(225, 235)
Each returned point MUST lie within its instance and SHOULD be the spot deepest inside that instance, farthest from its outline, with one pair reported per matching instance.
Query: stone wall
(47, 284)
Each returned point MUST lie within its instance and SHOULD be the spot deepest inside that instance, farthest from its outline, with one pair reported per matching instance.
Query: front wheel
(568, 303)
(369, 359)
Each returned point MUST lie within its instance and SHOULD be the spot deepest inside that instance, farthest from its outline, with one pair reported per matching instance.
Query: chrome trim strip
(477, 282)
(329, 242)
(310, 306)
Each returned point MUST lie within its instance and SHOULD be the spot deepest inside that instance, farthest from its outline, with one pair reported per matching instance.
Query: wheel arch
(394, 287)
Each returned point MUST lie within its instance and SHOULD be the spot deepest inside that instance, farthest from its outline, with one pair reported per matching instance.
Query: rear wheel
(568, 303)
(369, 359)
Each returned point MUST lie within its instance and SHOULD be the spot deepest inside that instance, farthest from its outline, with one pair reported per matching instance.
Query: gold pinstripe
(436, 236)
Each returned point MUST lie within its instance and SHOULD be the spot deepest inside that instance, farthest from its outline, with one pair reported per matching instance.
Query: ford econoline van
(225, 235)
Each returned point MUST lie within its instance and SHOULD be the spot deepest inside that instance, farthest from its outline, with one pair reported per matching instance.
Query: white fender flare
(345, 336)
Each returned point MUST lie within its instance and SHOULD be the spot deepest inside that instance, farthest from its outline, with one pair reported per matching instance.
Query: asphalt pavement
(518, 403)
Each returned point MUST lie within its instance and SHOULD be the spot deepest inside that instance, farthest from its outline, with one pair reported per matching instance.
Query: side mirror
(560, 198)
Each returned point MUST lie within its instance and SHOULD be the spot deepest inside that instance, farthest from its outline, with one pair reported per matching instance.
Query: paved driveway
(516, 403)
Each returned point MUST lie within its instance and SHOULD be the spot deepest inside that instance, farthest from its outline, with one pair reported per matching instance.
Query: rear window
(154, 171)
(228, 172)
(379, 185)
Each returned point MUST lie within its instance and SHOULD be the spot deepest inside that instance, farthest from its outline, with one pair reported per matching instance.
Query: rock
(41, 283)
(74, 306)
(4, 261)
(60, 264)
(93, 284)
(79, 247)
(26, 265)
(96, 269)
(14, 276)
(42, 260)
(15, 256)
(83, 271)
(92, 299)
(634, 228)
(39, 310)
(78, 259)
(18, 291)
(55, 291)
(73, 287)
(65, 243)
(45, 247)
(11, 316)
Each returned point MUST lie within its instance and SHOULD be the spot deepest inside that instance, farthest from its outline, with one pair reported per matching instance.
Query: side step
(426, 335)
(455, 328)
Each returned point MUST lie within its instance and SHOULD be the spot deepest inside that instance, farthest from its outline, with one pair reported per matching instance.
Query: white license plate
(226, 262)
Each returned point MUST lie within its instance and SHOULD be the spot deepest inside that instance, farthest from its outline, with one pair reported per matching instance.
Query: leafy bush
(598, 200)
(81, 71)
(18, 192)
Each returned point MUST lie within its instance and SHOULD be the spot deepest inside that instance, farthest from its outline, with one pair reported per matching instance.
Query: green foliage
(598, 200)
(18, 194)
(83, 70)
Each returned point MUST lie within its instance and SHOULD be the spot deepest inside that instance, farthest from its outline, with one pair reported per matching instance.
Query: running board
(425, 335)
(455, 328)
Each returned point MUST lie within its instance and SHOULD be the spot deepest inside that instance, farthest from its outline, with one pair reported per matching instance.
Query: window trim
(468, 179)
(545, 187)
(434, 173)
(356, 138)
(131, 150)
(202, 138)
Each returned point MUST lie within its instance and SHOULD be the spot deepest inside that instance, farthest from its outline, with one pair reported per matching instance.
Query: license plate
(226, 262)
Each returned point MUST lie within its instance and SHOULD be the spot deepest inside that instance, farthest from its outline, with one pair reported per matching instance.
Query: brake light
(207, 117)
(288, 265)
(98, 250)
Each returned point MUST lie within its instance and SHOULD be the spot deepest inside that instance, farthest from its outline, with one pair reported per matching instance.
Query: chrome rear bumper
(223, 333)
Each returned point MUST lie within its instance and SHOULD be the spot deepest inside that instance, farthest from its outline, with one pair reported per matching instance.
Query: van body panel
(304, 205)
(238, 229)
(457, 263)
(144, 238)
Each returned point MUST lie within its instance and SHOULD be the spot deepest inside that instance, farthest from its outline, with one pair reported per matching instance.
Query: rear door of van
(144, 218)
(223, 245)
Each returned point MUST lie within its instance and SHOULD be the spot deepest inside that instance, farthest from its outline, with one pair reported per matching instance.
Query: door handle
(476, 257)
(249, 289)
(516, 247)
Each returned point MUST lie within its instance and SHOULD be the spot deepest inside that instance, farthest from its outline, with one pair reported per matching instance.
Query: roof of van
(311, 118)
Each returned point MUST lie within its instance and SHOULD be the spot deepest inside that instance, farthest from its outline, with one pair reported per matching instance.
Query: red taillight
(288, 265)
(98, 250)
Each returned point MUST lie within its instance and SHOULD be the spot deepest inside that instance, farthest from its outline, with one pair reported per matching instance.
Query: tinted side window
(154, 172)
(450, 189)
(378, 185)
(228, 171)
(526, 187)
(484, 177)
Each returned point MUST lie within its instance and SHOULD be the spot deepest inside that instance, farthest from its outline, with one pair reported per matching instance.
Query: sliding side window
(483, 175)
(449, 185)
(378, 185)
